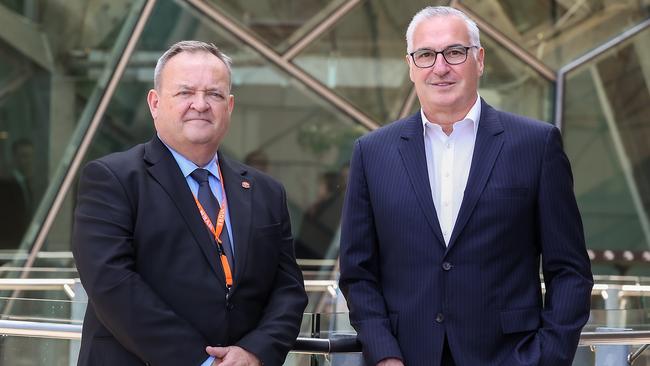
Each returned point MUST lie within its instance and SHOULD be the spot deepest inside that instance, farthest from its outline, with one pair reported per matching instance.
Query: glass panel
(23, 351)
(27, 351)
(277, 126)
(278, 22)
(559, 31)
(362, 57)
(46, 87)
(605, 130)
(510, 85)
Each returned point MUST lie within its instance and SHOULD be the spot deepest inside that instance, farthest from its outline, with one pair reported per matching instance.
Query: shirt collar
(474, 115)
(187, 166)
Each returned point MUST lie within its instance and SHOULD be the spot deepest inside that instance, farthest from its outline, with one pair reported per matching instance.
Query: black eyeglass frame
(435, 55)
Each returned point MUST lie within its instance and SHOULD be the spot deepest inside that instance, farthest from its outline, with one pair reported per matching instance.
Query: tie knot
(200, 175)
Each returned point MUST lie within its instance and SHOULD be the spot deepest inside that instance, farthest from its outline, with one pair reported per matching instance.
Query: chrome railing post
(634, 355)
(77, 312)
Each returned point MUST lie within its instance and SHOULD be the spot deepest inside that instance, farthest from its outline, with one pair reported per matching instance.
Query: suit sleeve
(360, 268)
(565, 264)
(125, 304)
(279, 326)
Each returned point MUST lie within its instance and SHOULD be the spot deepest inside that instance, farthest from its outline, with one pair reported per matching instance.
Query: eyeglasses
(454, 55)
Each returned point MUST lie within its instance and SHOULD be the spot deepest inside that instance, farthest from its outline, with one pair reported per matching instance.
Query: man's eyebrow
(433, 49)
(189, 87)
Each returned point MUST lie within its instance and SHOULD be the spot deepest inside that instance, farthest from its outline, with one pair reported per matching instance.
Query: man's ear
(152, 101)
(409, 60)
(231, 103)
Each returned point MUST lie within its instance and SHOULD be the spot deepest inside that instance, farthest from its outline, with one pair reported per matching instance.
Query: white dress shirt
(448, 162)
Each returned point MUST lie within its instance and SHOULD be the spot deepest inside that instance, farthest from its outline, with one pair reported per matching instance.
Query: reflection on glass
(363, 57)
(47, 74)
(605, 125)
(510, 85)
(559, 31)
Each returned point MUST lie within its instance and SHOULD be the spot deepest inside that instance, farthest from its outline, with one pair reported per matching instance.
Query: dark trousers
(447, 359)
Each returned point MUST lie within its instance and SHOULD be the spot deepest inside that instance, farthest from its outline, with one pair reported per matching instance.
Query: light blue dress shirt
(187, 167)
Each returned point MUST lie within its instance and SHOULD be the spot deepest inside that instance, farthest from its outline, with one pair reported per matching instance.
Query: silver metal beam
(408, 103)
(32, 41)
(559, 99)
(566, 69)
(508, 44)
(321, 28)
(296, 72)
(622, 37)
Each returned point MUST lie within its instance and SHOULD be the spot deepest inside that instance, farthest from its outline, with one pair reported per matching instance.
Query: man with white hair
(448, 215)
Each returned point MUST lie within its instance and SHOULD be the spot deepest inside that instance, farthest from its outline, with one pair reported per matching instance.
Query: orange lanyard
(216, 231)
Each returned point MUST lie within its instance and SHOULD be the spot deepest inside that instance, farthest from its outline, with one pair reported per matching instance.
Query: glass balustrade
(37, 329)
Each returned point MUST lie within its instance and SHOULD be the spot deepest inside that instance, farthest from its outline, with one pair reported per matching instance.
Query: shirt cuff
(208, 362)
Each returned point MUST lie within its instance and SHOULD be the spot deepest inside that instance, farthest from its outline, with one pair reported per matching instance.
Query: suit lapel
(411, 148)
(489, 140)
(164, 169)
(239, 208)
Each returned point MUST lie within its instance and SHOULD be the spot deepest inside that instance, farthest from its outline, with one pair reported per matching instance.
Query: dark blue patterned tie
(211, 207)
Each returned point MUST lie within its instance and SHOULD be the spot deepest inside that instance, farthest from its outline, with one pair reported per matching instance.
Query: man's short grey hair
(441, 11)
(190, 46)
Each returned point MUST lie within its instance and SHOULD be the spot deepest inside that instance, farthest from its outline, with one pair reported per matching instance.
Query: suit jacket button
(230, 306)
(446, 266)
(440, 318)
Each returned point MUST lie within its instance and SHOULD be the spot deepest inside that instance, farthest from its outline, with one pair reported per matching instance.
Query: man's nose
(440, 66)
(199, 102)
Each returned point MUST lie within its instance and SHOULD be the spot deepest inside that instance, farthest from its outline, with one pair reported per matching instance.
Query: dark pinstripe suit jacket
(406, 290)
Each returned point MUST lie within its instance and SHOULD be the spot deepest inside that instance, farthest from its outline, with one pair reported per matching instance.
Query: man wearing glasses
(449, 214)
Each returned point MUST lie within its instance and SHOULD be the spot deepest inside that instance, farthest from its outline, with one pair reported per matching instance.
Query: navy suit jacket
(151, 270)
(407, 291)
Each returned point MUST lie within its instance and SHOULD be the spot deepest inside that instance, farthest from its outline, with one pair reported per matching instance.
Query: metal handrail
(340, 343)
(40, 329)
(38, 284)
(67, 284)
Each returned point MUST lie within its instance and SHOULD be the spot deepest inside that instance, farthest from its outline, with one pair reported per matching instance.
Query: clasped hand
(232, 356)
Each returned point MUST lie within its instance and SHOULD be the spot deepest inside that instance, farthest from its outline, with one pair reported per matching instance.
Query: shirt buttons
(440, 318)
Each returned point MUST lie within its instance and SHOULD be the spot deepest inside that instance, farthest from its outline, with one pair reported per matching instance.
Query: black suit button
(230, 306)
(440, 318)
(446, 266)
